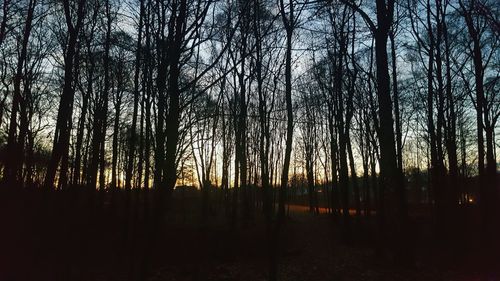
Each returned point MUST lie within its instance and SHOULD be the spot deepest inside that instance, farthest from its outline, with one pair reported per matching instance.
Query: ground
(53, 237)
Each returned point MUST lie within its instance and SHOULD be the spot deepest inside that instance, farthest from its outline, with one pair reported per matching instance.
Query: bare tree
(74, 20)
(15, 142)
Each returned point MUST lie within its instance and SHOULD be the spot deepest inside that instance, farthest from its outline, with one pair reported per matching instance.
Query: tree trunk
(62, 132)
(15, 143)
(116, 132)
(354, 179)
(133, 133)
(395, 94)
(392, 190)
(451, 141)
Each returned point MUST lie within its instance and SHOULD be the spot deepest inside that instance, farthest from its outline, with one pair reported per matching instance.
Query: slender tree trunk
(225, 161)
(3, 23)
(289, 23)
(452, 122)
(116, 132)
(395, 94)
(264, 130)
(133, 133)
(79, 137)
(147, 85)
(354, 179)
(289, 26)
(159, 131)
(364, 143)
(334, 160)
(309, 159)
(2, 105)
(77, 177)
(147, 141)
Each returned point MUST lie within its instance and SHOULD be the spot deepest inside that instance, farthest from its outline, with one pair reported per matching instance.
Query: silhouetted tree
(74, 14)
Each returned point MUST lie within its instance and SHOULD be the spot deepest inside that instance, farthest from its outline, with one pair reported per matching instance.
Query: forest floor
(53, 237)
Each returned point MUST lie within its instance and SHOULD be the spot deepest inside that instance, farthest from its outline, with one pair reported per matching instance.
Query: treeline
(235, 95)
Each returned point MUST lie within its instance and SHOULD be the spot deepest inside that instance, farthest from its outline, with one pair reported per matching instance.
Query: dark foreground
(74, 236)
